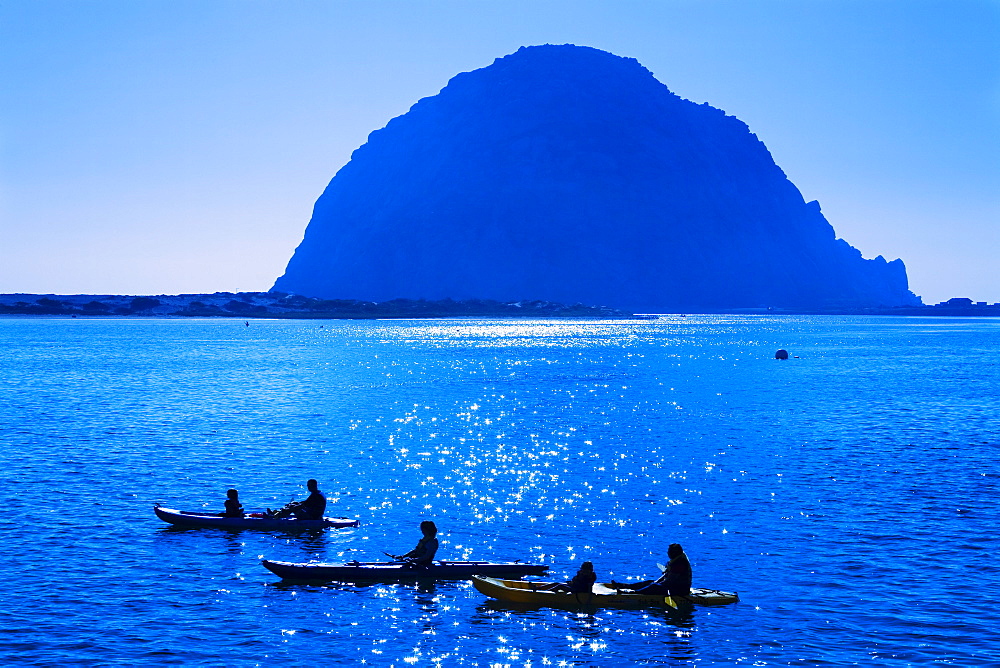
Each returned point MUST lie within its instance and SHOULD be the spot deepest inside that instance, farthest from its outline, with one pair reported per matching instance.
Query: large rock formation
(569, 174)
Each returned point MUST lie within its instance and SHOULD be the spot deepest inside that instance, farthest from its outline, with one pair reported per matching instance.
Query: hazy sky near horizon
(177, 146)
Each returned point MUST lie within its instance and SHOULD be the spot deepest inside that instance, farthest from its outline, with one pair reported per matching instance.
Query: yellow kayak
(602, 596)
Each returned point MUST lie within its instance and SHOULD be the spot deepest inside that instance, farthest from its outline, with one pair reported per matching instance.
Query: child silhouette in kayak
(582, 582)
(233, 506)
(423, 554)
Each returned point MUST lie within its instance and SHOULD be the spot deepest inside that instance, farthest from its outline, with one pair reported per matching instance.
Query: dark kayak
(392, 571)
(183, 518)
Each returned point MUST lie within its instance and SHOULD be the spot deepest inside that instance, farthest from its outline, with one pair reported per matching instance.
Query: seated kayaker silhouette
(676, 578)
(582, 582)
(311, 509)
(233, 506)
(423, 554)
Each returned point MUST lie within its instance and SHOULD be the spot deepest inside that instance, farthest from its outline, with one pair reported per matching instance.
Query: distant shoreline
(284, 306)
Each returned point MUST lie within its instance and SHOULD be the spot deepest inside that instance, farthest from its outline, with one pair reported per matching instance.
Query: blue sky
(161, 147)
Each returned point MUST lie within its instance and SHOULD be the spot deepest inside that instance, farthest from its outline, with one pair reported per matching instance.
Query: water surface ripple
(850, 495)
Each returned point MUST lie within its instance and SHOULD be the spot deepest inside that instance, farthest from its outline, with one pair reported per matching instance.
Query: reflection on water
(802, 484)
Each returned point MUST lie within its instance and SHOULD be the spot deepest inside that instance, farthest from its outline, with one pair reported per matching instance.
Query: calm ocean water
(851, 496)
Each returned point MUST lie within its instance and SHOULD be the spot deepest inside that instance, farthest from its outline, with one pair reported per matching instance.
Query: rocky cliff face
(569, 174)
